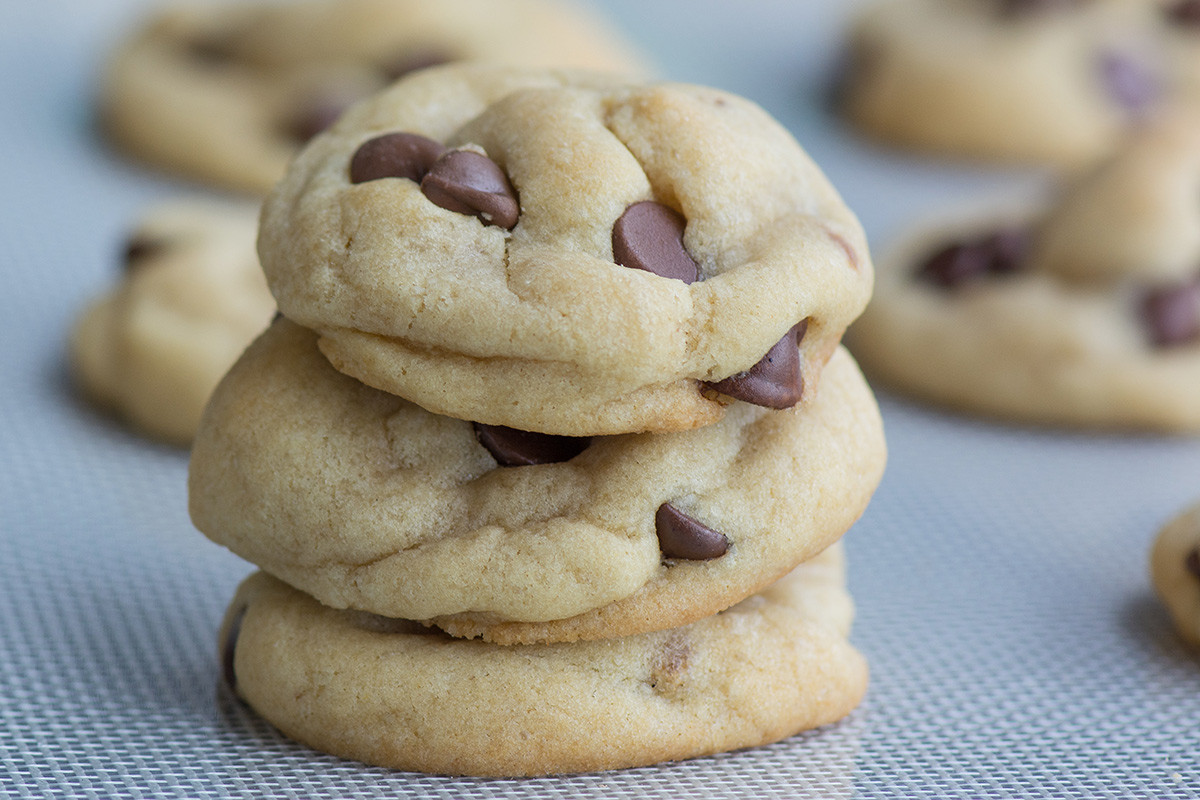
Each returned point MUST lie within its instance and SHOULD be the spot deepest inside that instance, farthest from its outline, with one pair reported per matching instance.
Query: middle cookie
(367, 501)
(566, 252)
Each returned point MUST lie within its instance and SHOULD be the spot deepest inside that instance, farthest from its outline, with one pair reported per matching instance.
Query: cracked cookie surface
(367, 501)
(533, 324)
(389, 693)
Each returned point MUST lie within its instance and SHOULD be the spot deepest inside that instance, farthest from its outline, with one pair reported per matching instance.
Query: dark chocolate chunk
(1191, 561)
(400, 66)
(394, 155)
(1184, 12)
(961, 262)
(1172, 315)
(229, 646)
(649, 236)
(469, 183)
(515, 448)
(1129, 80)
(141, 248)
(680, 536)
(777, 380)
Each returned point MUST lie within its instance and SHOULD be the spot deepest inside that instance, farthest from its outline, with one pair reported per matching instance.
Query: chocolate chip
(649, 236)
(1172, 315)
(1191, 561)
(1184, 12)
(211, 50)
(962, 262)
(514, 448)
(466, 182)
(1128, 80)
(400, 66)
(229, 646)
(680, 536)
(316, 115)
(141, 248)
(777, 380)
(394, 155)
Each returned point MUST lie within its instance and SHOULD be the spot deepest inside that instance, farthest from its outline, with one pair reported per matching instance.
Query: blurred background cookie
(191, 297)
(1175, 570)
(227, 92)
(1083, 311)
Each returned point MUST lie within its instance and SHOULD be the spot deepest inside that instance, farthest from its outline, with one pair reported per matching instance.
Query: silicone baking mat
(1000, 572)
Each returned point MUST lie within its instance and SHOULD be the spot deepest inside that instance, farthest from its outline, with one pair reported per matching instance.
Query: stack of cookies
(547, 456)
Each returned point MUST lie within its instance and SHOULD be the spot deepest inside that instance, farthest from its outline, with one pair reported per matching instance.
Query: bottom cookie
(1175, 570)
(395, 694)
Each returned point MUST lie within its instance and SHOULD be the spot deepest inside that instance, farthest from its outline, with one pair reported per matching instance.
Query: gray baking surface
(1000, 573)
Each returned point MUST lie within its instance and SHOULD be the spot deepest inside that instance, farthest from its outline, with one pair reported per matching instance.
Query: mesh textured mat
(1000, 573)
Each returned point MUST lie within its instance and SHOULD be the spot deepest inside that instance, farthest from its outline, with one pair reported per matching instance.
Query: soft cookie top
(566, 252)
(227, 92)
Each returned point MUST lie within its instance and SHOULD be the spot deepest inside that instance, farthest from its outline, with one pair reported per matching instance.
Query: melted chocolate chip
(680, 536)
(1128, 80)
(466, 182)
(400, 66)
(649, 236)
(140, 249)
(394, 155)
(515, 448)
(1184, 12)
(962, 262)
(777, 380)
(1172, 315)
(229, 646)
(1191, 562)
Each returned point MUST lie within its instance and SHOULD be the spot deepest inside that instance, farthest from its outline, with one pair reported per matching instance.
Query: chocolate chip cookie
(189, 300)
(1085, 313)
(227, 92)
(1175, 570)
(1055, 81)
(391, 693)
(566, 252)
(367, 501)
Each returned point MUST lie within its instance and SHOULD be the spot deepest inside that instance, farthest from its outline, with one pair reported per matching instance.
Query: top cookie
(1053, 81)
(226, 93)
(565, 252)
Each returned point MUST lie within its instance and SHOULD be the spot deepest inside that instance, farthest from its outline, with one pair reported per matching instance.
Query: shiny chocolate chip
(413, 61)
(229, 647)
(1184, 12)
(958, 263)
(140, 249)
(777, 380)
(1129, 80)
(649, 236)
(467, 182)
(1191, 561)
(680, 536)
(394, 155)
(515, 448)
(1172, 315)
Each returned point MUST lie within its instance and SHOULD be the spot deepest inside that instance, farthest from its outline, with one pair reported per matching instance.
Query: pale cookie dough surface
(227, 92)
(388, 693)
(989, 80)
(367, 501)
(1175, 570)
(1071, 336)
(538, 328)
(191, 298)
